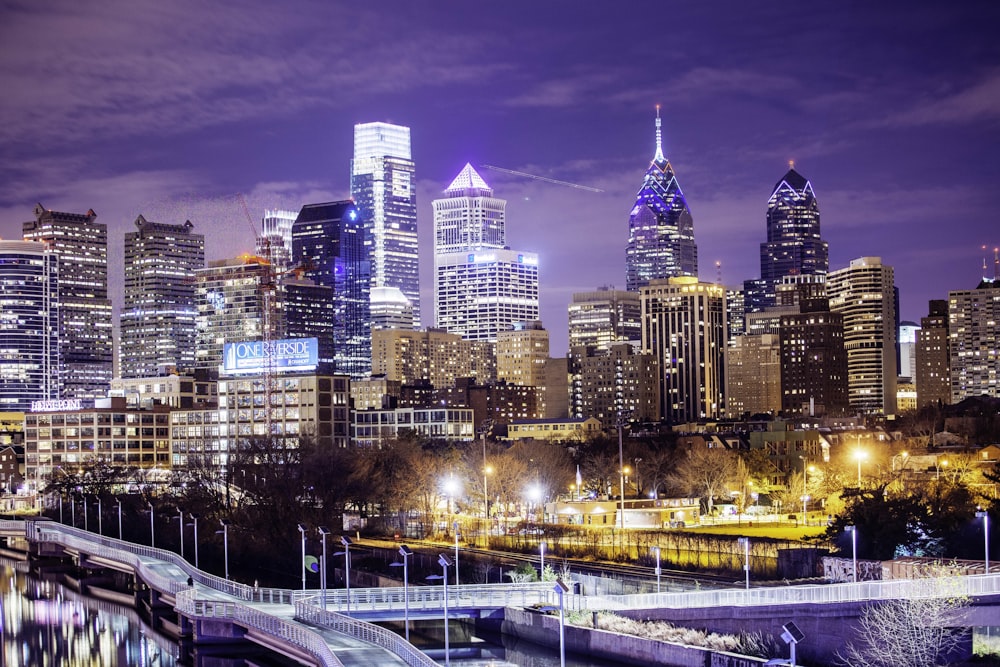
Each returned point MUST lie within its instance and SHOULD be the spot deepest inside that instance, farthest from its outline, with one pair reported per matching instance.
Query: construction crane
(541, 178)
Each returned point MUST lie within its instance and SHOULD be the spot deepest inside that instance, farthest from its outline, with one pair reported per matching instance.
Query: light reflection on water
(42, 623)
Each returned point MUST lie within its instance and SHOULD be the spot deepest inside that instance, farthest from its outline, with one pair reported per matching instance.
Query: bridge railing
(308, 612)
(972, 585)
(287, 631)
(432, 597)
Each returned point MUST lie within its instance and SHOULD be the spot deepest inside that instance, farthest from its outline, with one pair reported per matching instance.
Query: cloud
(974, 103)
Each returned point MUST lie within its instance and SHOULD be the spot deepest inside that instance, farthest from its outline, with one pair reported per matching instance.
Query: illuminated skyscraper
(85, 335)
(158, 314)
(481, 287)
(684, 327)
(329, 239)
(793, 245)
(383, 186)
(974, 341)
(660, 227)
(275, 242)
(933, 377)
(864, 294)
(29, 325)
(604, 318)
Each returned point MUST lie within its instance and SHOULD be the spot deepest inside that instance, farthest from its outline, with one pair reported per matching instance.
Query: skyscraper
(794, 246)
(80, 245)
(604, 318)
(684, 326)
(974, 341)
(522, 353)
(330, 240)
(275, 241)
(29, 325)
(660, 227)
(481, 287)
(383, 186)
(864, 294)
(158, 313)
(933, 377)
(230, 297)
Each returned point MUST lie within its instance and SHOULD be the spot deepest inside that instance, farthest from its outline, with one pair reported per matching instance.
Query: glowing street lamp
(860, 455)
(985, 516)
(853, 530)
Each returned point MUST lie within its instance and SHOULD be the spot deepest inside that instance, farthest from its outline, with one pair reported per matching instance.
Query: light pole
(745, 543)
(302, 530)
(152, 533)
(194, 517)
(621, 472)
(483, 430)
(860, 455)
(180, 527)
(443, 560)
(72, 508)
(323, 532)
(405, 552)
(100, 520)
(656, 550)
(119, 501)
(853, 530)
(805, 505)
(225, 544)
(455, 528)
(985, 516)
(560, 588)
(85, 526)
(541, 564)
(805, 487)
(346, 541)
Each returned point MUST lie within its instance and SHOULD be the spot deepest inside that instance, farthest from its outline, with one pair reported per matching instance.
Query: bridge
(336, 630)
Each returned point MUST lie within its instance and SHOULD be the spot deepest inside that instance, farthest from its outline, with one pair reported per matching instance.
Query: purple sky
(169, 109)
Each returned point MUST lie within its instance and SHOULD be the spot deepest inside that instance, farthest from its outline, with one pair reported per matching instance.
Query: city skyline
(889, 111)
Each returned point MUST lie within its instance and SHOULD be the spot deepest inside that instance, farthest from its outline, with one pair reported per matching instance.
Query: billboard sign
(289, 355)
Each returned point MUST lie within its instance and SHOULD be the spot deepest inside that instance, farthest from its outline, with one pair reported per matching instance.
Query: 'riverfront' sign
(292, 354)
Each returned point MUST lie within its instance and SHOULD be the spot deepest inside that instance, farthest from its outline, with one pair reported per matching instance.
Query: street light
(302, 530)
(85, 526)
(443, 560)
(100, 520)
(853, 530)
(483, 430)
(656, 550)
(455, 528)
(152, 534)
(560, 589)
(119, 501)
(745, 543)
(860, 455)
(405, 552)
(225, 543)
(346, 541)
(195, 518)
(541, 564)
(620, 422)
(985, 516)
(805, 504)
(180, 527)
(323, 532)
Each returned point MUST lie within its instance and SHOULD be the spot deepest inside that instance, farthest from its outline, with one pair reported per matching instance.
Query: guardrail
(287, 631)
(309, 612)
(966, 585)
(432, 597)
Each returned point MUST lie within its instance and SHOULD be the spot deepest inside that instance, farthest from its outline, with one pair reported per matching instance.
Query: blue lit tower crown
(793, 245)
(660, 227)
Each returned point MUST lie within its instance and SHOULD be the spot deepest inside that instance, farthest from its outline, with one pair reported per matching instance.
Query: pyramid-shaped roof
(468, 179)
(794, 180)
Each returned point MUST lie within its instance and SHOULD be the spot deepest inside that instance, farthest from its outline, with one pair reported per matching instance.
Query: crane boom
(542, 178)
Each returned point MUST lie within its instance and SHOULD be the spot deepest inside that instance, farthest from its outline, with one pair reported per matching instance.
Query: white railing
(308, 612)
(432, 597)
(254, 619)
(972, 585)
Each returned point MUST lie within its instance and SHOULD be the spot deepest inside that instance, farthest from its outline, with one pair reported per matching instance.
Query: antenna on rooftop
(996, 264)
(718, 272)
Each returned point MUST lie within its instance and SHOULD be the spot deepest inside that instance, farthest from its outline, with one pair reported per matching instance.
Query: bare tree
(922, 630)
(705, 472)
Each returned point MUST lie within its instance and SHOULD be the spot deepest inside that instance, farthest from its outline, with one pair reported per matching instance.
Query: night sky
(170, 109)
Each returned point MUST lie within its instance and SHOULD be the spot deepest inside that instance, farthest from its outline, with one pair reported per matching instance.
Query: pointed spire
(659, 139)
(468, 179)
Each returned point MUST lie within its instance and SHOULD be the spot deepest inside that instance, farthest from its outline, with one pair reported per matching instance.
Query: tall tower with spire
(794, 246)
(660, 227)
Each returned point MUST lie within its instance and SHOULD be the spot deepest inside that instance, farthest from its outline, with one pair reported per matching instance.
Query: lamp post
(656, 550)
(85, 526)
(455, 528)
(323, 532)
(541, 563)
(180, 527)
(483, 430)
(443, 560)
(119, 501)
(60, 507)
(405, 552)
(152, 533)
(805, 505)
(100, 519)
(560, 588)
(225, 544)
(860, 455)
(805, 486)
(620, 422)
(194, 517)
(346, 541)
(853, 530)
(72, 509)
(985, 516)
(302, 530)
(745, 543)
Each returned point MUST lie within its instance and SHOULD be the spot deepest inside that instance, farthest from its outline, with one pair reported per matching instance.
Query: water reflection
(42, 623)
